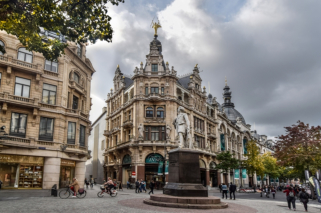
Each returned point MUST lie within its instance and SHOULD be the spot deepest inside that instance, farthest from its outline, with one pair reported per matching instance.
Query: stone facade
(45, 109)
(140, 131)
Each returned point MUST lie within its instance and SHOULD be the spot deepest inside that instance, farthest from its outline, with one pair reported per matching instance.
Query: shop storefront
(152, 172)
(67, 172)
(213, 175)
(126, 170)
(18, 171)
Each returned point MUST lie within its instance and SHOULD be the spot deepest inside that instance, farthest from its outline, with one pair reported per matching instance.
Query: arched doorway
(203, 172)
(126, 169)
(154, 170)
(213, 175)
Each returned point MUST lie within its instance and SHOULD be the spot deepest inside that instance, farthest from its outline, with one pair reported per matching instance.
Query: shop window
(154, 90)
(46, 129)
(75, 102)
(149, 112)
(18, 124)
(160, 112)
(155, 133)
(22, 87)
(154, 67)
(82, 135)
(71, 133)
(76, 78)
(49, 94)
(30, 176)
(51, 66)
(24, 55)
(2, 44)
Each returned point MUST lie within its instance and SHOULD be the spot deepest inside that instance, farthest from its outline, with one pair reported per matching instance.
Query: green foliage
(80, 21)
(271, 167)
(227, 162)
(253, 162)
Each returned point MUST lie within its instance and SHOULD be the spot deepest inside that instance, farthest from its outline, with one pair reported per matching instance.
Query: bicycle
(64, 194)
(104, 191)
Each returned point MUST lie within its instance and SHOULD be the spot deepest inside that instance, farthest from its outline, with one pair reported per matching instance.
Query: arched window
(2, 44)
(79, 50)
(24, 55)
(149, 112)
(160, 112)
(76, 78)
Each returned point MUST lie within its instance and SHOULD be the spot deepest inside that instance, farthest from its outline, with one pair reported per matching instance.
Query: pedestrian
(151, 186)
(143, 185)
(262, 189)
(128, 184)
(304, 198)
(232, 190)
(91, 183)
(220, 187)
(224, 189)
(120, 186)
(137, 186)
(0, 183)
(74, 186)
(86, 182)
(290, 197)
(273, 192)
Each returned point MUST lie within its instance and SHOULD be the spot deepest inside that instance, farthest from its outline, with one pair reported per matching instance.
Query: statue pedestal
(184, 174)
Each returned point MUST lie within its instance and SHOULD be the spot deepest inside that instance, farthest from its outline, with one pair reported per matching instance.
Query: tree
(253, 162)
(227, 162)
(271, 167)
(78, 20)
(299, 148)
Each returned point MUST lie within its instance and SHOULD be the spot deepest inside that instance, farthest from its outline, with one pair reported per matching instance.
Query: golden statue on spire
(155, 25)
(225, 81)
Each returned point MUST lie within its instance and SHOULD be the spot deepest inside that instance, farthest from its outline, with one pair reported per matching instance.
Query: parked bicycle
(103, 191)
(65, 193)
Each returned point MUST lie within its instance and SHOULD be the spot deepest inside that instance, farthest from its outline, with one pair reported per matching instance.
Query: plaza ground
(128, 201)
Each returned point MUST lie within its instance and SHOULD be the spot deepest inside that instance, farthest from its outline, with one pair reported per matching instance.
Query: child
(273, 192)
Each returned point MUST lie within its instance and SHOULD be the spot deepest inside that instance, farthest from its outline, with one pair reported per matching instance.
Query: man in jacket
(232, 190)
(137, 184)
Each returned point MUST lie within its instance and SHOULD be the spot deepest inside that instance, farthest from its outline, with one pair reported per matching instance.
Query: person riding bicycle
(109, 184)
(74, 186)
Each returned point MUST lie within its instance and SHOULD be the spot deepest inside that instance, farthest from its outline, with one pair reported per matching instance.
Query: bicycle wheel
(114, 194)
(81, 195)
(64, 194)
(100, 194)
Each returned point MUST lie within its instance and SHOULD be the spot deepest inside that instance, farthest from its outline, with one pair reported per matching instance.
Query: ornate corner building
(139, 123)
(45, 108)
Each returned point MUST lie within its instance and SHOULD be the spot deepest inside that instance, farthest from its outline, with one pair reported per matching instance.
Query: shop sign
(243, 173)
(21, 159)
(237, 174)
(68, 163)
(160, 167)
(166, 167)
(258, 178)
(154, 158)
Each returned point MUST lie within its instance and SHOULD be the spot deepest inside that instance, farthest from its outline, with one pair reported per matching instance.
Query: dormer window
(154, 67)
(76, 78)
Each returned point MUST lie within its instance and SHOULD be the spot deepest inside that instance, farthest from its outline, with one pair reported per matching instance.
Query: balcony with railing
(13, 99)
(21, 65)
(74, 85)
(211, 135)
(51, 73)
(128, 124)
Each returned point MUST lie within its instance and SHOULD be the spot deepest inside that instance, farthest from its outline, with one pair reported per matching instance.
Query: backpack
(291, 194)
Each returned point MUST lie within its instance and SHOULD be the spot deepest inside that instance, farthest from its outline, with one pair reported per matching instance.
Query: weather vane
(155, 25)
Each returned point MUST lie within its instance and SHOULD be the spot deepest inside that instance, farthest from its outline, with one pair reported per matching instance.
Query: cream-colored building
(140, 132)
(45, 108)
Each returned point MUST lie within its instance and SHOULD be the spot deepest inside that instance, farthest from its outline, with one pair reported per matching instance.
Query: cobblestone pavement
(15, 201)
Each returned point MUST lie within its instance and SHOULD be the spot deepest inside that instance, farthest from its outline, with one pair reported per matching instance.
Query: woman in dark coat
(304, 198)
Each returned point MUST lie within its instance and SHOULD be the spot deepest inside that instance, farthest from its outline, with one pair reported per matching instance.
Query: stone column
(80, 172)
(51, 172)
(228, 177)
(207, 178)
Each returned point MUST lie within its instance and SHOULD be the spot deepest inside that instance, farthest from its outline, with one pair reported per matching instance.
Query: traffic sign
(133, 173)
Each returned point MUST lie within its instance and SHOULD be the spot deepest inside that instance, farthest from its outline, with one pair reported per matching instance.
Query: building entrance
(213, 175)
(154, 170)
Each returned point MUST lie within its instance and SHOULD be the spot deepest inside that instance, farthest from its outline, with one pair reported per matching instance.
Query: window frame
(154, 90)
(73, 99)
(51, 66)
(149, 109)
(82, 143)
(162, 112)
(146, 90)
(154, 66)
(45, 137)
(70, 140)
(21, 135)
(78, 76)
(4, 46)
(149, 133)
(25, 54)
(49, 91)
(22, 87)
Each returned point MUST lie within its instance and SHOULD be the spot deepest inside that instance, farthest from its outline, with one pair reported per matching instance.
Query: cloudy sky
(269, 51)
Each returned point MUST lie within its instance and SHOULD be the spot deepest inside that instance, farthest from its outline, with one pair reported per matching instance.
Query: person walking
(290, 197)
(128, 184)
(220, 187)
(86, 183)
(224, 189)
(304, 198)
(232, 190)
(91, 183)
(273, 192)
(143, 185)
(137, 186)
(0, 184)
(151, 186)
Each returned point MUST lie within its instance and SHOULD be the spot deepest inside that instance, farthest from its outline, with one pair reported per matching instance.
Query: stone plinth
(185, 178)
(186, 202)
